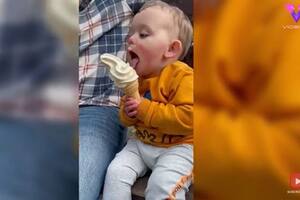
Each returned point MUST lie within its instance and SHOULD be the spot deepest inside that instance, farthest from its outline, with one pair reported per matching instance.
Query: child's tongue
(134, 62)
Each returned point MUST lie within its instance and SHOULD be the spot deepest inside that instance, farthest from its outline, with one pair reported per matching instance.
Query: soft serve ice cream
(119, 71)
(122, 74)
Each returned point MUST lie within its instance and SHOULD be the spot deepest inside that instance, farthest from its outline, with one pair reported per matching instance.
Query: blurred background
(38, 99)
(247, 100)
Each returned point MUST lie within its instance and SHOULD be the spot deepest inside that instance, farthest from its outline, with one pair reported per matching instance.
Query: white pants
(171, 171)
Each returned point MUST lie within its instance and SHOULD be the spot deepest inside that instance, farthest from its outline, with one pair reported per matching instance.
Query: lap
(100, 137)
(128, 162)
(172, 173)
(100, 129)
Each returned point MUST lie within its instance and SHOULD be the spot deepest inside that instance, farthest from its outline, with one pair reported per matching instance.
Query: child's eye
(144, 35)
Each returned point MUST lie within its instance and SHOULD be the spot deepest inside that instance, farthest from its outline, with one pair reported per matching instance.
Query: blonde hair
(185, 29)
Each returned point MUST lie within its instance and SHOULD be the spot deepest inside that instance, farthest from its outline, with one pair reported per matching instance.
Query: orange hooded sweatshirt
(165, 114)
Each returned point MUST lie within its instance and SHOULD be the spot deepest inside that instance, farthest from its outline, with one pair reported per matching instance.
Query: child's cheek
(148, 53)
(153, 52)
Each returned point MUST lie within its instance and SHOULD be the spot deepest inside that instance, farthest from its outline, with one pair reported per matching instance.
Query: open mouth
(134, 59)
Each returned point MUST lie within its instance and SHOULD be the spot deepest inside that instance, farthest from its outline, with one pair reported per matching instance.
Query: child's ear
(174, 49)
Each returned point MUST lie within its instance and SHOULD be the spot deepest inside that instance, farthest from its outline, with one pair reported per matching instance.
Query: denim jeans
(100, 137)
(37, 160)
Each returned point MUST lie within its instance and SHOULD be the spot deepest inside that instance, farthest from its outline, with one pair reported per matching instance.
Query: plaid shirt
(103, 27)
(29, 52)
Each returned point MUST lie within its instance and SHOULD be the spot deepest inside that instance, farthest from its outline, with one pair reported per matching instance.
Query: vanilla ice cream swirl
(119, 71)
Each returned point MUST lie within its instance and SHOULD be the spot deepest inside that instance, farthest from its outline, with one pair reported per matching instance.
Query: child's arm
(175, 117)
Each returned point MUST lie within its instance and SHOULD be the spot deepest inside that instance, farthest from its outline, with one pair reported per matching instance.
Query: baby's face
(148, 40)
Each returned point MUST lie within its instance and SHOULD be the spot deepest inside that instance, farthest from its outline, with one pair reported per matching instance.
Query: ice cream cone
(132, 90)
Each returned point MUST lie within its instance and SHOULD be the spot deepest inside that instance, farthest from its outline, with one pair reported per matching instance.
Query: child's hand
(131, 106)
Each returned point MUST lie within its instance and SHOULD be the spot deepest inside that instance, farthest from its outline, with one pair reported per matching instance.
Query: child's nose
(131, 39)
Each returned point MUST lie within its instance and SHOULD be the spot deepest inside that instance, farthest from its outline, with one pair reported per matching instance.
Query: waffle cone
(132, 90)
